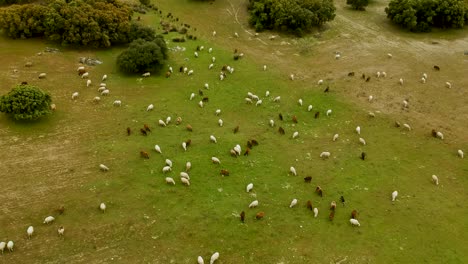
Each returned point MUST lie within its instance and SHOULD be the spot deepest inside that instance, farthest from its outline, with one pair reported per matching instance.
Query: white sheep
(96, 99)
(214, 257)
(190, 72)
(362, 141)
(236, 35)
(210, 66)
(192, 96)
(435, 179)
(394, 195)
(217, 112)
(325, 154)
(401, 81)
(207, 86)
(103, 167)
(49, 220)
(295, 134)
(315, 212)
(439, 135)
(75, 95)
(377, 74)
(214, 33)
(170, 69)
(215, 160)
(210, 50)
(88, 83)
(117, 103)
(309, 108)
(358, 130)
(335, 137)
(168, 120)
(337, 56)
(299, 101)
(146, 74)
(30, 231)
(161, 123)
(213, 139)
(277, 99)
(105, 92)
(150, 107)
(102, 207)
(200, 104)
(424, 75)
(220, 122)
(407, 127)
(460, 153)
(272, 123)
(389, 55)
(184, 146)
(185, 175)
(293, 203)
(166, 169)
(354, 222)
(264, 67)
(405, 103)
(291, 77)
(249, 187)
(248, 100)
(169, 162)
(81, 68)
(10, 245)
(101, 88)
(188, 166)
(185, 181)
(371, 114)
(384, 74)
(60, 231)
(196, 54)
(158, 149)
(103, 84)
(253, 204)
(293, 171)
(370, 98)
(2, 246)
(259, 102)
(329, 111)
(85, 75)
(185, 69)
(423, 80)
(213, 59)
(200, 260)
(448, 85)
(267, 93)
(238, 149)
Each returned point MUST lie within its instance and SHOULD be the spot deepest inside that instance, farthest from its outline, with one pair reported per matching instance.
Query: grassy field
(54, 161)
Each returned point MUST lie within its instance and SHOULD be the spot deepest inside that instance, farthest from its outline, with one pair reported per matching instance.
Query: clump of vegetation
(26, 102)
(358, 4)
(423, 15)
(142, 56)
(297, 16)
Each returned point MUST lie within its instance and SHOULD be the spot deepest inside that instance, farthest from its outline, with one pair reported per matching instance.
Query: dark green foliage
(12, 2)
(26, 102)
(358, 4)
(422, 15)
(140, 31)
(145, 2)
(290, 15)
(142, 56)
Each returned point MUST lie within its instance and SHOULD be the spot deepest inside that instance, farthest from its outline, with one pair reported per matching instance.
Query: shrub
(358, 4)
(26, 102)
(142, 56)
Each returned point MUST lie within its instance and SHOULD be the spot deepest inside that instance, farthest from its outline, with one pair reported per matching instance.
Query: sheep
(189, 128)
(299, 101)
(49, 220)
(215, 160)
(200, 260)
(103, 167)
(150, 107)
(242, 216)
(238, 149)
(272, 123)
(333, 205)
(423, 80)
(88, 83)
(184, 146)
(325, 154)
(220, 122)
(214, 257)
(168, 162)
(435, 179)
(190, 72)
(146, 74)
(224, 172)
(317, 115)
(401, 81)
(362, 141)
(188, 166)
(407, 127)
(61, 230)
(291, 77)
(213, 139)
(158, 149)
(354, 222)
(178, 120)
(53, 107)
(80, 68)
(117, 103)
(354, 214)
(337, 56)
(213, 59)
(281, 130)
(103, 84)
(2, 246)
(235, 130)
(370, 98)
(378, 74)
(161, 123)
(280, 116)
(384, 74)
(308, 179)
(248, 100)
(105, 92)
(309, 108)
(253, 204)
(335, 137)
(214, 33)
(358, 130)
(195, 54)
(437, 68)
(405, 103)
(320, 82)
(101, 88)
(295, 135)
(185, 181)
(249, 187)
(394, 195)
(267, 93)
(85, 75)
(166, 169)
(259, 102)
(315, 212)
(389, 55)
(293, 203)
(102, 207)
(146, 127)
(448, 85)
(277, 99)
(332, 215)
(460, 153)
(319, 191)
(329, 111)
(217, 112)
(200, 104)
(293, 171)
(439, 135)
(210, 50)
(143, 131)
(75, 95)
(30, 231)
(10, 245)
(363, 155)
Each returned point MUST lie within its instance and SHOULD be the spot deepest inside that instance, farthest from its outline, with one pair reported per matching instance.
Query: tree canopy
(358, 4)
(142, 56)
(26, 102)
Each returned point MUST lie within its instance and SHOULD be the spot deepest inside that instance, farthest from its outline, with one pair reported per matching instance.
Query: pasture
(55, 161)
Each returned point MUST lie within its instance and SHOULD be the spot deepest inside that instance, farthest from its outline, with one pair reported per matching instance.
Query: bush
(26, 102)
(145, 2)
(140, 31)
(143, 56)
(358, 4)
(422, 15)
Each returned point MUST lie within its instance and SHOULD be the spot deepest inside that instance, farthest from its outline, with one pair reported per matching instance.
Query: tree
(26, 102)
(142, 56)
(358, 4)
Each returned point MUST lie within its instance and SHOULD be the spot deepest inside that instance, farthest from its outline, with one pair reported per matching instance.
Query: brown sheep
(434, 133)
(81, 72)
(61, 209)
(205, 99)
(354, 214)
(168, 74)
(24, 83)
(129, 131)
(368, 79)
(280, 116)
(236, 129)
(254, 142)
(294, 119)
(326, 89)
(260, 215)
(144, 154)
(143, 132)
(189, 128)
(363, 76)
(242, 216)
(342, 200)
(249, 144)
(333, 205)
(308, 179)
(332, 215)
(350, 74)
(437, 68)
(247, 152)
(147, 128)
(188, 142)
(224, 172)
(363, 155)
(178, 120)
(233, 153)
(200, 92)
(281, 130)
(309, 205)
(181, 69)
(319, 191)
(317, 115)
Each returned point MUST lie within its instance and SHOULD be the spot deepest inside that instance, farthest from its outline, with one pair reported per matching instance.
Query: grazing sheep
(53, 107)
(329, 111)
(293, 171)
(315, 212)
(168, 162)
(354, 222)
(249, 187)
(213, 139)
(295, 134)
(238, 149)
(337, 56)
(267, 93)
(281, 130)
(166, 169)
(253, 204)
(189, 128)
(242, 216)
(195, 54)
(423, 80)
(88, 83)
(342, 200)
(213, 59)
(309, 108)
(158, 149)
(280, 116)
(170, 180)
(362, 141)
(401, 81)
(61, 230)
(214, 257)
(435, 179)
(161, 123)
(200, 260)
(325, 154)
(333, 205)
(2, 246)
(358, 130)
(291, 77)
(332, 215)
(96, 99)
(220, 122)
(192, 96)
(407, 127)
(319, 191)
(146, 74)
(224, 172)
(188, 166)
(363, 155)
(405, 103)
(439, 135)
(85, 75)
(437, 68)
(394, 195)
(105, 92)
(235, 130)
(309, 205)
(248, 100)
(335, 137)
(168, 120)
(389, 55)
(308, 179)
(320, 82)
(317, 115)
(259, 102)
(185, 181)
(326, 89)
(103, 167)
(101, 89)
(200, 104)
(30, 231)
(146, 127)
(460, 153)
(294, 119)
(448, 85)
(277, 99)
(75, 95)
(354, 214)
(190, 72)
(215, 160)
(370, 98)
(272, 123)
(150, 107)
(259, 215)
(293, 203)
(178, 120)
(49, 220)
(117, 103)
(10, 245)
(247, 152)
(143, 131)
(384, 74)
(217, 112)
(299, 102)
(184, 146)
(102, 207)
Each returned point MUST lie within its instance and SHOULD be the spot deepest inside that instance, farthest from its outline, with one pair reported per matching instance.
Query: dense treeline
(97, 23)
(297, 16)
(422, 15)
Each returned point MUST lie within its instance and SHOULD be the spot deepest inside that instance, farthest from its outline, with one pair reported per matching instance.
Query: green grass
(150, 221)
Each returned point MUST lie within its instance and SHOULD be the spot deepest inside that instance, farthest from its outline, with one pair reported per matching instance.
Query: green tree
(26, 102)
(142, 56)
(358, 4)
